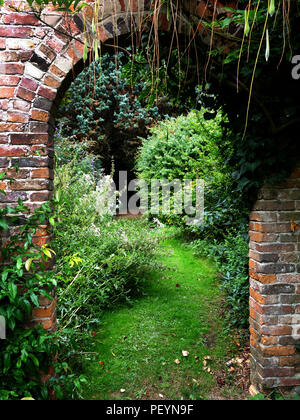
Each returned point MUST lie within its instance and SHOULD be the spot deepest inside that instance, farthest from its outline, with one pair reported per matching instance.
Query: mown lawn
(136, 349)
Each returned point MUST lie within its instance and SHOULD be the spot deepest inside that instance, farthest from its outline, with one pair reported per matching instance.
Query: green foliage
(181, 309)
(182, 148)
(231, 257)
(25, 353)
(111, 115)
(191, 147)
(254, 86)
(100, 260)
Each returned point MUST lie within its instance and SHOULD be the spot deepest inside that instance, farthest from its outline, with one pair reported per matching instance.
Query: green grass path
(137, 346)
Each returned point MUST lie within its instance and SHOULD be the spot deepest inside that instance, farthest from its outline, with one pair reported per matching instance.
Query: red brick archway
(35, 60)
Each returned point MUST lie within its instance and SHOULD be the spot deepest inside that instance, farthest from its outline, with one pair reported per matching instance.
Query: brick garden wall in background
(35, 60)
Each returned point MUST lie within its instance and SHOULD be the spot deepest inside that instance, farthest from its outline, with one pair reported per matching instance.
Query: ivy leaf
(3, 224)
(34, 299)
(12, 290)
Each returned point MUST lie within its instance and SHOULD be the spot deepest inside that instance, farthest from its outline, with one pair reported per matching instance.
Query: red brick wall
(275, 285)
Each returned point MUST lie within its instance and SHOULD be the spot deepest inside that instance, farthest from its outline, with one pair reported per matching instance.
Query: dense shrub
(109, 112)
(191, 147)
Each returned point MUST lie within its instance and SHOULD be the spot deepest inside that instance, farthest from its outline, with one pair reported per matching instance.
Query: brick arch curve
(35, 61)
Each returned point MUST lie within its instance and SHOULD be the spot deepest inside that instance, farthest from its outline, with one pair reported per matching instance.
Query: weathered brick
(57, 72)
(287, 341)
(33, 162)
(8, 81)
(46, 311)
(20, 44)
(276, 372)
(54, 43)
(263, 237)
(275, 289)
(41, 196)
(24, 139)
(7, 92)
(18, 174)
(289, 360)
(42, 173)
(47, 93)
(4, 104)
(13, 197)
(32, 185)
(15, 32)
(263, 216)
(52, 82)
(269, 341)
(289, 299)
(12, 151)
(269, 268)
(38, 127)
(11, 127)
(271, 351)
(42, 103)
(276, 330)
(9, 56)
(289, 381)
(21, 105)
(39, 115)
(263, 278)
(25, 94)
(47, 52)
(17, 117)
(20, 19)
(29, 84)
(33, 71)
(3, 162)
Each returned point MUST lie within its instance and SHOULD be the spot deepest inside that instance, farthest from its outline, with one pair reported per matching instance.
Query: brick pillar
(275, 286)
